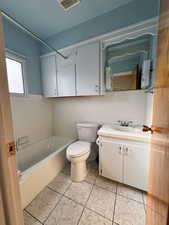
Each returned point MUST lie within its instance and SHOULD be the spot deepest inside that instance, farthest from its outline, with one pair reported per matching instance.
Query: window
(15, 72)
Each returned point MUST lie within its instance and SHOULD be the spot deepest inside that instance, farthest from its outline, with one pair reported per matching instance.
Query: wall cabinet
(49, 78)
(127, 163)
(88, 69)
(78, 75)
(66, 74)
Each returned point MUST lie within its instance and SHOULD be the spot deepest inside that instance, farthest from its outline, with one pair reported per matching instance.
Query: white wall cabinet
(126, 163)
(49, 78)
(66, 74)
(78, 75)
(88, 69)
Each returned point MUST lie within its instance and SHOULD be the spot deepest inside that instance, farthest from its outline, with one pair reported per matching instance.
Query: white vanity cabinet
(124, 161)
(111, 160)
(88, 69)
(49, 78)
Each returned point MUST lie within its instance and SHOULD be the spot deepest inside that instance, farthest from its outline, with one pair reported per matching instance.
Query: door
(10, 201)
(49, 80)
(112, 161)
(88, 69)
(66, 74)
(136, 165)
(158, 188)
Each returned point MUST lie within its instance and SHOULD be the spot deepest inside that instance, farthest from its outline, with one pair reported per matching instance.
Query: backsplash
(130, 106)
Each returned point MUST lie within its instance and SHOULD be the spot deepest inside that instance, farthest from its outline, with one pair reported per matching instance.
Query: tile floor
(96, 201)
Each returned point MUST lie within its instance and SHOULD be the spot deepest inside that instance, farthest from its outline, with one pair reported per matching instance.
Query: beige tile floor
(96, 201)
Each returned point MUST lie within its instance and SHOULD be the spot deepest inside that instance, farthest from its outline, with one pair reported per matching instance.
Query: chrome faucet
(125, 123)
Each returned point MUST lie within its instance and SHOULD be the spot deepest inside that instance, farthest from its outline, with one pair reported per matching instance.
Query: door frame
(10, 199)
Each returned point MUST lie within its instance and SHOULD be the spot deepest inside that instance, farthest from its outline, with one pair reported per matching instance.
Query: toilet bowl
(78, 152)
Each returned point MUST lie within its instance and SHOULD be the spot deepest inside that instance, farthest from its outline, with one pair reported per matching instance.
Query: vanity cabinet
(111, 161)
(49, 76)
(78, 75)
(88, 69)
(124, 161)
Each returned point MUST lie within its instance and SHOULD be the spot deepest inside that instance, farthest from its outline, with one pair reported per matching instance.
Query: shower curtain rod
(11, 19)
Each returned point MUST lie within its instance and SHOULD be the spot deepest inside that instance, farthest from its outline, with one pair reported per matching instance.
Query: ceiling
(46, 17)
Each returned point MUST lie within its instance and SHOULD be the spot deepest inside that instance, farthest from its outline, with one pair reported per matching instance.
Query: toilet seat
(78, 148)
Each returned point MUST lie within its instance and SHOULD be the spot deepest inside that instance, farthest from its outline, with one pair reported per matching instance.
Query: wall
(115, 106)
(134, 12)
(32, 116)
(22, 43)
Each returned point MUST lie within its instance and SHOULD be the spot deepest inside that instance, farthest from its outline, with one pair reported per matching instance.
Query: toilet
(78, 152)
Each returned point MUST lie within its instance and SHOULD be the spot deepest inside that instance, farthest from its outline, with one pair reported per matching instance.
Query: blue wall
(22, 43)
(134, 12)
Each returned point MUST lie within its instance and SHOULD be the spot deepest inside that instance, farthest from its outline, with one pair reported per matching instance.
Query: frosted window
(15, 76)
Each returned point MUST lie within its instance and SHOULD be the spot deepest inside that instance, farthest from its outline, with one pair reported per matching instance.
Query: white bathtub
(39, 163)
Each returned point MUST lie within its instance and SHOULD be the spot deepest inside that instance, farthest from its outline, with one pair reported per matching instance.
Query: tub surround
(32, 117)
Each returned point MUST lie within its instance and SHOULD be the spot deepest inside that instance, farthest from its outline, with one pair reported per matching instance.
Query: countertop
(135, 135)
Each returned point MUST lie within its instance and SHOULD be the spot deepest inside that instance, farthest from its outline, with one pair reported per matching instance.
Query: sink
(123, 128)
(126, 128)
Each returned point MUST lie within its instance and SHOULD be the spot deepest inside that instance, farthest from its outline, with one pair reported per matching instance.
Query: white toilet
(78, 152)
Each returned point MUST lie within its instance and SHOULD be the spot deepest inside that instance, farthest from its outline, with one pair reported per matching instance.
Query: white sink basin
(122, 128)
(125, 128)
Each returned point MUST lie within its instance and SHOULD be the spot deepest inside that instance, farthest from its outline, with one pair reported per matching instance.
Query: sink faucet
(125, 123)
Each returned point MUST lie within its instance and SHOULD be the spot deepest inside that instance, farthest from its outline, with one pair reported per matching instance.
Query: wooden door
(88, 69)
(158, 190)
(49, 79)
(112, 160)
(136, 165)
(10, 202)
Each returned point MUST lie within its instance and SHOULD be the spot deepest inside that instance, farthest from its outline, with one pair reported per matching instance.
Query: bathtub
(39, 163)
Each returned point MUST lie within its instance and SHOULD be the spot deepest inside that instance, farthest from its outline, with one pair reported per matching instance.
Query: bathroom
(80, 99)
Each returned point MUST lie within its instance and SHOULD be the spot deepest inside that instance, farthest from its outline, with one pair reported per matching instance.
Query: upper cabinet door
(88, 69)
(66, 73)
(48, 68)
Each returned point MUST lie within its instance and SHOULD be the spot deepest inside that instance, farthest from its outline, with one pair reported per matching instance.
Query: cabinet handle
(120, 150)
(127, 150)
(96, 88)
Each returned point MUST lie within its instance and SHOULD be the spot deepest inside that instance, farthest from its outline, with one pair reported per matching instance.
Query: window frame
(21, 59)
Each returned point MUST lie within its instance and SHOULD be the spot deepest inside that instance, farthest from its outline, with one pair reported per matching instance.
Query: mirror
(129, 64)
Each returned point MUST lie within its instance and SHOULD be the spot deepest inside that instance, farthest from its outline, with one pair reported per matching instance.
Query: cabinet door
(88, 69)
(66, 73)
(136, 163)
(48, 69)
(112, 161)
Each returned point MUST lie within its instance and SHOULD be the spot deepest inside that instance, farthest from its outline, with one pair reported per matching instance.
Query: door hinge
(11, 148)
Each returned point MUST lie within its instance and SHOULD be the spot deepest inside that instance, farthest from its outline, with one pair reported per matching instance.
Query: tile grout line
(33, 216)
(144, 202)
(53, 208)
(141, 203)
(85, 204)
(115, 204)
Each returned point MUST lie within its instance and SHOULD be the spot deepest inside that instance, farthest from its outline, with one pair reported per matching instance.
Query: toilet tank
(87, 131)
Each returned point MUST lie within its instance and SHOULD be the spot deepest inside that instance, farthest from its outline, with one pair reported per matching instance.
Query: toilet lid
(78, 148)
